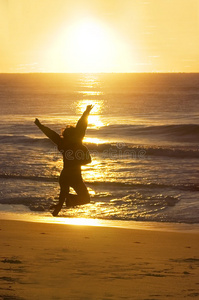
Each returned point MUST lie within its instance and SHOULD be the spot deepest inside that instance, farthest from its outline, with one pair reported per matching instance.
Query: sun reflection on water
(89, 81)
(97, 105)
(96, 141)
(95, 171)
(95, 121)
(90, 93)
(94, 117)
(79, 221)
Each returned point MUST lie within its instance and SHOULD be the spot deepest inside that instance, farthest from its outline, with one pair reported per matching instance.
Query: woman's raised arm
(52, 135)
(83, 122)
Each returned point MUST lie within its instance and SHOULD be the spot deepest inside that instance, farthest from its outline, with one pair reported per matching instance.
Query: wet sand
(53, 261)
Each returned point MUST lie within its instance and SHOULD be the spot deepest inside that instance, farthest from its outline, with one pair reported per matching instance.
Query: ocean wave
(109, 184)
(33, 203)
(128, 202)
(126, 149)
(32, 178)
(107, 149)
(151, 186)
(23, 140)
(186, 131)
(178, 132)
(171, 152)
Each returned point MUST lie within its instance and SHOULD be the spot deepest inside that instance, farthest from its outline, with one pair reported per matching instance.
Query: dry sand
(51, 261)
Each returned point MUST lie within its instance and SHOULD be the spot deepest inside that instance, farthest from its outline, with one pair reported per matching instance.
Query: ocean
(143, 136)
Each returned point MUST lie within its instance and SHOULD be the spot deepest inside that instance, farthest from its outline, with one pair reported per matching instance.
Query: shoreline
(123, 224)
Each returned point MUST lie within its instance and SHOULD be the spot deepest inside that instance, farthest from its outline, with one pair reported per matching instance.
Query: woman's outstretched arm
(52, 135)
(83, 122)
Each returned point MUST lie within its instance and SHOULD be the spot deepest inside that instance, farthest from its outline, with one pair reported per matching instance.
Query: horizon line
(154, 72)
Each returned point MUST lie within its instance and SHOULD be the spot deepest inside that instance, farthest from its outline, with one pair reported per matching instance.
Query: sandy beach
(53, 261)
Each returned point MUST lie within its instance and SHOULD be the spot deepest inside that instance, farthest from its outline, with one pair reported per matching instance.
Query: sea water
(143, 136)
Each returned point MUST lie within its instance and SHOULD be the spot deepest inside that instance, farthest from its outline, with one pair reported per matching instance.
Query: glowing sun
(87, 46)
(90, 47)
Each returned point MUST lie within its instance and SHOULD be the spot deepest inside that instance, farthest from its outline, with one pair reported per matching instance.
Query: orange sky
(99, 36)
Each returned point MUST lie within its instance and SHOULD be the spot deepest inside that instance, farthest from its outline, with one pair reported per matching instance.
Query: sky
(99, 36)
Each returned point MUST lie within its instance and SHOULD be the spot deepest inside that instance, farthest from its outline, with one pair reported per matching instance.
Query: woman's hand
(37, 122)
(89, 107)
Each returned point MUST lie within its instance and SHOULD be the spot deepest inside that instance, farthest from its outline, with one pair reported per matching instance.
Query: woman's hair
(68, 132)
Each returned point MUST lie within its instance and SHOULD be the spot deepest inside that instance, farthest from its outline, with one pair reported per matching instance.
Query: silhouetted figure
(75, 154)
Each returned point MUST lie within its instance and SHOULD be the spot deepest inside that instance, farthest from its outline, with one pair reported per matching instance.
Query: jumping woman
(75, 154)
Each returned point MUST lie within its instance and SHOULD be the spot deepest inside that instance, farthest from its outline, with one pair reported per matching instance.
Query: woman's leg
(64, 191)
(82, 196)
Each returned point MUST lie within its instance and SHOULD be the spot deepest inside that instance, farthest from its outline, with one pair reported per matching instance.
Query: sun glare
(93, 140)
(95, 121)
(89, 46)
(94, 117)
(77, 221)
(97, 105)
